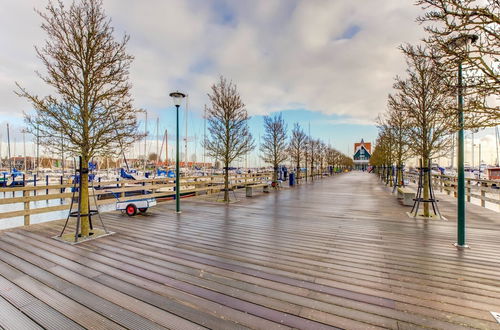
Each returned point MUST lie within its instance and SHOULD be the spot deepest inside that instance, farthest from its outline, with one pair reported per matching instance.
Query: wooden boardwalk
(339, 253)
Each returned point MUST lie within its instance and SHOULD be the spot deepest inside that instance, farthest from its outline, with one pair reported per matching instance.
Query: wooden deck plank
(13, 318)
(78, 278)
(170, 302)
(35, 309)
(308, 257)
(121, 316)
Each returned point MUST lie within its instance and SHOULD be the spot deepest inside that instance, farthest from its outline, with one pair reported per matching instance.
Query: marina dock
(339, 252)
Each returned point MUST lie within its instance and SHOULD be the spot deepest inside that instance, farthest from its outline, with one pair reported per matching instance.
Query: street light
(177, 98)
(462, 40)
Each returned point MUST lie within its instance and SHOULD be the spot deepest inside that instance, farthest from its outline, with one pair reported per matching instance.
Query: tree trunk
(275, 174)
(307, 172)
(84, 198)
(426, 187)
(226, 183)
(298, 172)
(312, 169)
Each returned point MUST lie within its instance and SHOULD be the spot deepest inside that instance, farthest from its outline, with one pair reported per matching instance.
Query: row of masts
(164, 141)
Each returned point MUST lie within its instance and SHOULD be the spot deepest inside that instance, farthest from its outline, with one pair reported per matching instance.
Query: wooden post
(26, 195)
(483, 195)
(122, 194)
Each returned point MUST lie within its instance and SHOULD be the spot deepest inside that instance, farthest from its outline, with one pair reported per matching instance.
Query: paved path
(339, 253)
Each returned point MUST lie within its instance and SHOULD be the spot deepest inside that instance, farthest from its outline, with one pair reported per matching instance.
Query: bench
(407, 195)
(249, 188)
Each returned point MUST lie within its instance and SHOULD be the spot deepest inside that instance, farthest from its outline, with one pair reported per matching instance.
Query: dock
(339, 252)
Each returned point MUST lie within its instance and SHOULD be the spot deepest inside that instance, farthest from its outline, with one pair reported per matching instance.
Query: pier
(336, 253)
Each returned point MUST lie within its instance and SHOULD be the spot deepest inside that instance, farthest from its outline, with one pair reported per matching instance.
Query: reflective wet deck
(337, 253)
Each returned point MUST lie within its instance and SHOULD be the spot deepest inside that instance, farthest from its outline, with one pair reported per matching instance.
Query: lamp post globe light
(463, 40)
(177, 98)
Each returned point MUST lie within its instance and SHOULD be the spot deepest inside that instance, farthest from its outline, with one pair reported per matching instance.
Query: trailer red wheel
(143, 209)
(131, 210)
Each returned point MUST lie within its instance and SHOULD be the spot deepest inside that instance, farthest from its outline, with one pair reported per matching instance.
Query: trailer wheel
(131, 210)
(143, 209)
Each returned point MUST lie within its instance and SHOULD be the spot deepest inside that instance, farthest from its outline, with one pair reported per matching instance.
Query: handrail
(210, 184)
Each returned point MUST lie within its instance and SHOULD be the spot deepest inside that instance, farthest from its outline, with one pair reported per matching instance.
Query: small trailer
(131, 207)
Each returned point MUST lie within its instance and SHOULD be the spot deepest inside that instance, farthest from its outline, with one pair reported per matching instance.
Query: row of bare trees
(313, 155)
(422, 111)
(230, 139)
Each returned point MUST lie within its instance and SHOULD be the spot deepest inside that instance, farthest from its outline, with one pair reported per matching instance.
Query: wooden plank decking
(339, 253)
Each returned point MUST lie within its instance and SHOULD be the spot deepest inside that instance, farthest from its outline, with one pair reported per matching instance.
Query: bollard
(34, 183)
(61, 182)
(47, 184)
(99, 180)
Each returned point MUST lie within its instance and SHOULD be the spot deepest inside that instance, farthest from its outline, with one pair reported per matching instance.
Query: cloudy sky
(323, 63)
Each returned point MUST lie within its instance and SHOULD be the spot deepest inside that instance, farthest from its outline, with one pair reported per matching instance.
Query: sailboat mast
(166, 148)
(186, 140)
(157, 140)
(497, 140)
(204, 134)
(62, 154)
(37, 150)
(24, 149)
(145, 139)
(8, 146)
(1, 144)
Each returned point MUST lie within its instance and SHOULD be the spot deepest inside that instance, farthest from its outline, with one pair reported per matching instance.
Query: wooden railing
(208, 184)
(474, 188)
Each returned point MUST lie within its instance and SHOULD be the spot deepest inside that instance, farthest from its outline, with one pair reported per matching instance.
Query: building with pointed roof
(362, 154)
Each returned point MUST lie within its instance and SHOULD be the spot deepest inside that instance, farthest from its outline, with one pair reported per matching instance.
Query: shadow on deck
(338, 253)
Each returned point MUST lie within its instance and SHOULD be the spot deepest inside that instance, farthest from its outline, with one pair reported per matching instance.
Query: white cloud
(282, 54)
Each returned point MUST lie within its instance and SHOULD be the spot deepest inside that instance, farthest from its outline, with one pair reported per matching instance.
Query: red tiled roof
(368, 146)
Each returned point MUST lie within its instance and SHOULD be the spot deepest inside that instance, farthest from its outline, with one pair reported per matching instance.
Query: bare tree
(229, 136)
(274, 147)
(91, 109)
(425, 101)
(296, 146)
(313, 145)
(449, 21)
(395, 126)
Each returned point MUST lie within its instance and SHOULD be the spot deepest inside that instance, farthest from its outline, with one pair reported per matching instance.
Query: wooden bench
(249, 188)
(407, 195)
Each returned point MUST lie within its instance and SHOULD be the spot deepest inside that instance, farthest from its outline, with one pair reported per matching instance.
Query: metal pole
(177, 174)
(461, 175)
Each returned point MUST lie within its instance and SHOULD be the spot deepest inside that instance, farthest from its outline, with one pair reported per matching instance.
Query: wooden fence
(474, 188)
(199, 184)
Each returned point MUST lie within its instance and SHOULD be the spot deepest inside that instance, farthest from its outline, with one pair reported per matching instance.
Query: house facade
(362, 154)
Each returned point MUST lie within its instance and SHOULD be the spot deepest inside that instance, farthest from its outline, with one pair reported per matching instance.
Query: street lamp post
(177, 98)
(460, 41)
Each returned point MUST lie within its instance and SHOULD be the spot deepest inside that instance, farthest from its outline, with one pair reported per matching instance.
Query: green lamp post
(462, 40)
(177, 98)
